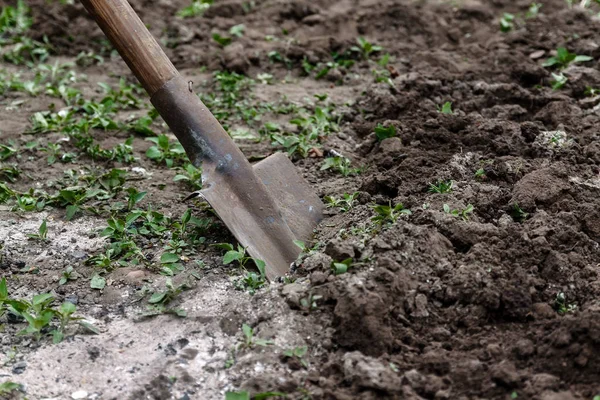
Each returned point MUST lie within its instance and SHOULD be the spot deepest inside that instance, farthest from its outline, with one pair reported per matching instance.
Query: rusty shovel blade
(266, 207)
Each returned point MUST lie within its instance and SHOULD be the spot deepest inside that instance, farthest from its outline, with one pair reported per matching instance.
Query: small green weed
(365, 48)
(191, 175)
(564, 58)
(42, 232)
(198, 7)
(507, 22)
(164, 150)
(518, 214)
(345, 204)
(446, 108)
(297, 353)
(8, 388)
(464, 213)
(42, 319)
(389, 214)
(250, 339)
(561, 305)
(222, 41)
(558, 81)
(441, 187)
(340, 164)
(341, 267)
(67, 275)
(159, 301)
(382, 132)
(534, 10)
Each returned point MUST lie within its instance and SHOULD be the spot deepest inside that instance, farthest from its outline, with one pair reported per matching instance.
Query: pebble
(80, 394)
(19, 367)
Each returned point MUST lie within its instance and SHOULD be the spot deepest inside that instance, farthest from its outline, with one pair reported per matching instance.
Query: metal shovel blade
(301, 211)
(266, 207)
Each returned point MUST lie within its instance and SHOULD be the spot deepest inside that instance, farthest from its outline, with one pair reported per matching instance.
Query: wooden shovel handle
(133, 41)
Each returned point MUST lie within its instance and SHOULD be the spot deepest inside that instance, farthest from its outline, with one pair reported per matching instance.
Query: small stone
(19, 367)
(80, 394)
(537, 54)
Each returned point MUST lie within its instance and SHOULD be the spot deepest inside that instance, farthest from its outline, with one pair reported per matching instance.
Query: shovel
(266, 206)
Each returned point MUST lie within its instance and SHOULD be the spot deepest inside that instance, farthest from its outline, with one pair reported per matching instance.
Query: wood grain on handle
(133, 41)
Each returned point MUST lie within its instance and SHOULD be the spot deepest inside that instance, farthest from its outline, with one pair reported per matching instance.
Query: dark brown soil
(437, 307)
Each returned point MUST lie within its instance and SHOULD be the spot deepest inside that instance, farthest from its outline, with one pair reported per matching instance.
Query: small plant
(382, 132)
(164, 150)
(507, 22)
(480, 174)
(464, 213)
(159, 301)
(9, 388)
(191, 175)
(250, 340)
(558, 81)
(309, 303)
(298, 353)
(441, 187)
(389, 213)
(561, 305)
(345, 204)
(446, 108)
(6, 152)
(237, 30)
(591, 92)
(340, 164)
(564, 58)
(42, 232)
(341, 267)
(198, 7)
(518, 214)
(534, 10)
(134, 197)
(365, 48)
(40, 316)
(222, 41)
(67, 275)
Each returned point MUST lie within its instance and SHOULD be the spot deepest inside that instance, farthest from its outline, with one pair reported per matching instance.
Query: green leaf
(154, 153)
(266, 395)
(340, 268)
(383, 133)
(42, 298)
(231, 256)
(248, 332)
(3, 289)
(57, 336)
(237, 396)
(169, 258)
(157, 297)
(97, 282)
(582, 59)
(71, 211)
(221, 40)
(67, 308)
